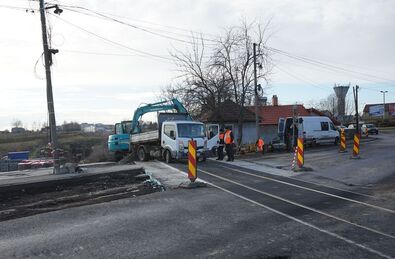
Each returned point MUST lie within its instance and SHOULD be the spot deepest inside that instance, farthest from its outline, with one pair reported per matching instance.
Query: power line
(331, 67)
(26, 9)
(144, 29)
(140, 52)
(147, 22)
(299, 78)
(98, 53)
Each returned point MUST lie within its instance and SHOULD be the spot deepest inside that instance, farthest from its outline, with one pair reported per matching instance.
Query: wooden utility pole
(256, 94)
(50, 103)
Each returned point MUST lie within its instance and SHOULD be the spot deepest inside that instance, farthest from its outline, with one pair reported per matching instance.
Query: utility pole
(256, 95)
(355, 91)
(50, 103)
(384, 92)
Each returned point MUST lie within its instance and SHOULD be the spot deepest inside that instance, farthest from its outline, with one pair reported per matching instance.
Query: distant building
(376, 111)
(270, 115)
(88, 128)
(18, 130)
(229, 118)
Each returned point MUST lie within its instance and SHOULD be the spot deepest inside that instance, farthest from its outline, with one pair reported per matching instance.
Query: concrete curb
(39, 184)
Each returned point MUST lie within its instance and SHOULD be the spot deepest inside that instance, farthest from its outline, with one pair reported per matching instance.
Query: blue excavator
(119, 143)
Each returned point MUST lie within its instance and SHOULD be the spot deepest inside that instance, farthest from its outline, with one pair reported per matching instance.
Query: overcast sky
(90, 85)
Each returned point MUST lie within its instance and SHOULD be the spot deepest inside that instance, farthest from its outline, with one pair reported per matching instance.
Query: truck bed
(149, 136)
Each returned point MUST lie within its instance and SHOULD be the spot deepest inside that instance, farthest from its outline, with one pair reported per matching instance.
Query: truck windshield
(187, 130)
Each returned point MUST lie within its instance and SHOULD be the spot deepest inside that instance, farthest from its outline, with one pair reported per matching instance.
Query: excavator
(169, 141)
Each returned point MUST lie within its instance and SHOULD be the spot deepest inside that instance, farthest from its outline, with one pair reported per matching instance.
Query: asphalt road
(243, 213)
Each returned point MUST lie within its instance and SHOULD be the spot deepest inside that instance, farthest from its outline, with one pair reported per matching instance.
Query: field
(77, 146)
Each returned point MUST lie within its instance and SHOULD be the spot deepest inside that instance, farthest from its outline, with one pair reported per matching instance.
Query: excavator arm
(173, 104)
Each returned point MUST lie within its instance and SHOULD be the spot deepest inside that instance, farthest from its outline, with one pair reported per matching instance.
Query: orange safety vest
(261, 143)
(228, 139)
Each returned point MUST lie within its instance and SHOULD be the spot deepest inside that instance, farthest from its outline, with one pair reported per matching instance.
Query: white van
(316, 130)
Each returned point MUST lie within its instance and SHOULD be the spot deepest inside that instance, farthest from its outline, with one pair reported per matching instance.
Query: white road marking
(300, 205)
(284, 214)
(313, 190)
(304, 181)
(305, 223)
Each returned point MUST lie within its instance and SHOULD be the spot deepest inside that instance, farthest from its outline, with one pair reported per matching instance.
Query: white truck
(315, 130)
(170, 141)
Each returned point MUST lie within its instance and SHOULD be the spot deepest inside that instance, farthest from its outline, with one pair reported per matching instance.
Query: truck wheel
(141, 155)
(167, 157)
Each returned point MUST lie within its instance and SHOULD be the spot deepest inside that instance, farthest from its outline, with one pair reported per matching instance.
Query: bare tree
(16, 123)
(202, 84)
(235, 56)
(208, 79)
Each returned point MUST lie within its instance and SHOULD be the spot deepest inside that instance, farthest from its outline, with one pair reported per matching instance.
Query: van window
(333, 126)
(168, 128)
(325, 126)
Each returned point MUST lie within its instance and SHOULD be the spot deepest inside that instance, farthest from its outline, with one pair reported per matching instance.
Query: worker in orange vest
(261, 145)
(229, 138)
(221, 143)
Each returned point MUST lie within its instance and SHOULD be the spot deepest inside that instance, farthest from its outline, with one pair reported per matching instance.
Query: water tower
(341, 92)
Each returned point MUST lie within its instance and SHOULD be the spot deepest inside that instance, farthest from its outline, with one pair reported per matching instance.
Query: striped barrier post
(355, 150)
(192, 161)
(294, 159)
(342, 141)
(300, 153)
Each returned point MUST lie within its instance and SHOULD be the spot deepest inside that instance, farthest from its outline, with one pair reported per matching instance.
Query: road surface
(242, 213)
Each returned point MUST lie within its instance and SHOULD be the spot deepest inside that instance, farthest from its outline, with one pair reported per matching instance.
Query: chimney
(275, 100)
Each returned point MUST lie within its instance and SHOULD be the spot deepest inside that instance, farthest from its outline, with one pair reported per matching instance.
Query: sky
(101, 79)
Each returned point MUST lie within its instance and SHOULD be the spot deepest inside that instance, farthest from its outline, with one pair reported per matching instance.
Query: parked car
(371, 129)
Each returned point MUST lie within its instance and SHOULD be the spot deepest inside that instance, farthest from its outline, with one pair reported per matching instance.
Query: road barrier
(192, 161)
(300, 153)
(294, 159)
(342, 141)
(355, 150)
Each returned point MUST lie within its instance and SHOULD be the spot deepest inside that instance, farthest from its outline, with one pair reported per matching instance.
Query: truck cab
(175, 136)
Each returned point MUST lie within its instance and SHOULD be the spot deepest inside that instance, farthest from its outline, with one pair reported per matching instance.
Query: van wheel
(167, 157)
(141, 155)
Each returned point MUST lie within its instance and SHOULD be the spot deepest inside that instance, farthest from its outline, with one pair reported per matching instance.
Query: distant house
(88, 128)
(377, 110)
(230, 111)
(270, 115)
(18, 130)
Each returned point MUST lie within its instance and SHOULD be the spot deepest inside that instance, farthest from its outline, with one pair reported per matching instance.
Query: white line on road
(305, 223)
(296, 219)
(313, 190)
(304, 181)
(286, 215)
(300, 205)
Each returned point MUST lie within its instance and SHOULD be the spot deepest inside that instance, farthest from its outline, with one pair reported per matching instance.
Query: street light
(384, 92)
